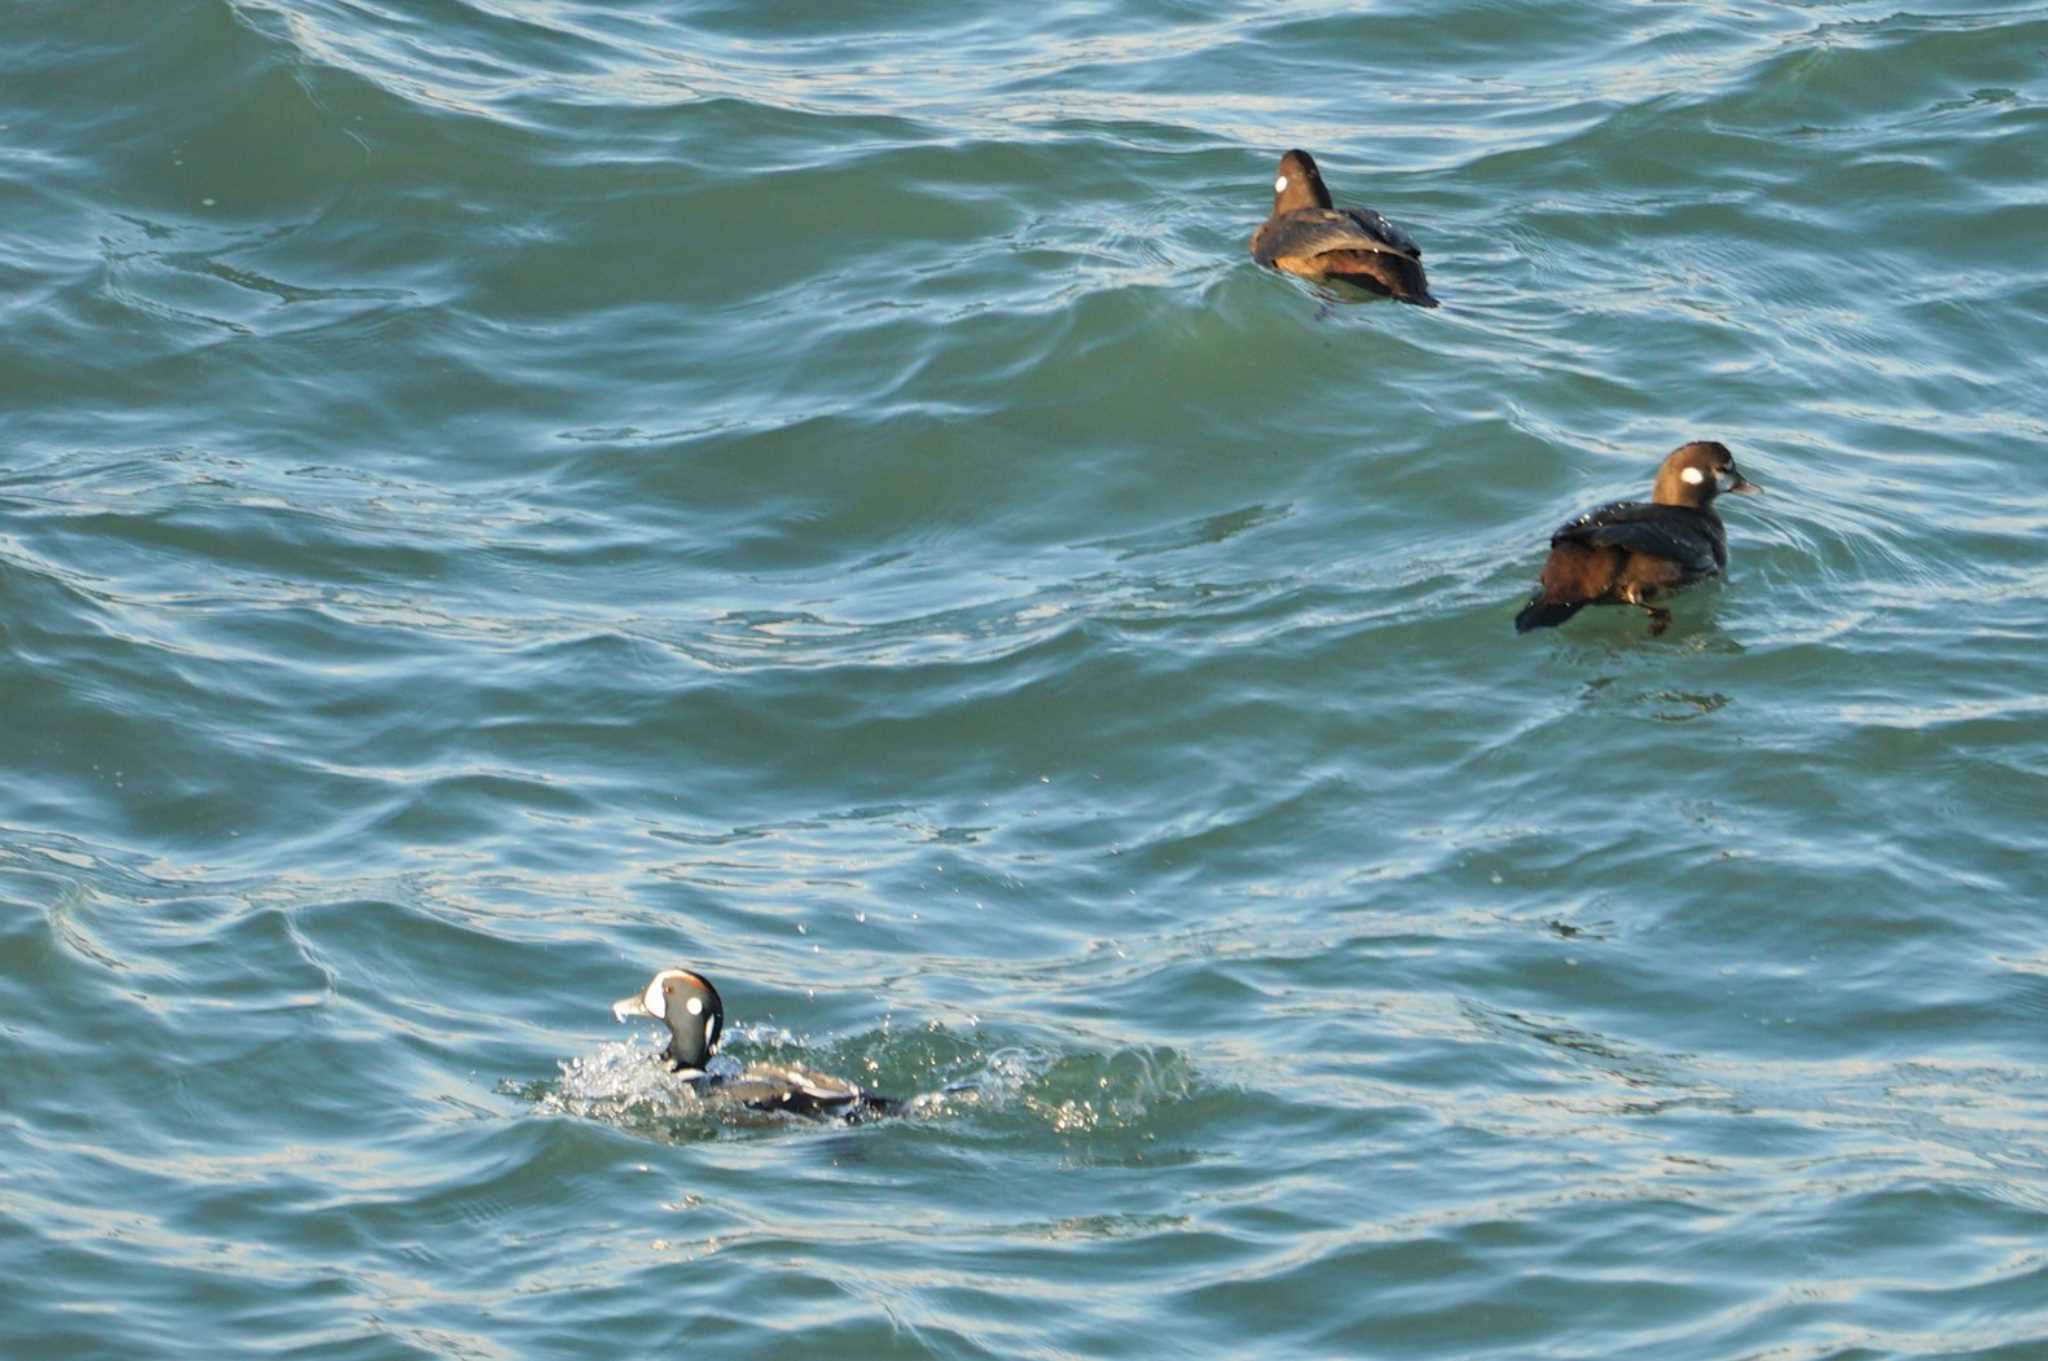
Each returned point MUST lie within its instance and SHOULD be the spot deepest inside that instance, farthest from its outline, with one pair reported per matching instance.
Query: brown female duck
(1308, 237)
(1632, 552)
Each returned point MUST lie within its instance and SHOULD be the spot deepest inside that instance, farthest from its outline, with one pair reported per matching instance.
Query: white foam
(620, 1078)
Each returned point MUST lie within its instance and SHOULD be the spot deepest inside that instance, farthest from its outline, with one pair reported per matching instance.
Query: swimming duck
(1632, 552)
(1308, 237)
(695, 1016)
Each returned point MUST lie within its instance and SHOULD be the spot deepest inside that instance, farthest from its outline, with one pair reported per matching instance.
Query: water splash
(949, 1075)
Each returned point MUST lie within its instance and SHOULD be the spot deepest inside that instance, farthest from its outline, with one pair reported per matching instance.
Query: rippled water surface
(501, 495)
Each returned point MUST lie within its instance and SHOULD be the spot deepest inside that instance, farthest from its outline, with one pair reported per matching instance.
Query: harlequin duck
(1632, 552)
(690, 1007)
(1308, 237)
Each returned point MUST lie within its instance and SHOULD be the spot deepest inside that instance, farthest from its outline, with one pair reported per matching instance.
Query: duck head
(689, 1006)
(1299, 184)
(1691, 476)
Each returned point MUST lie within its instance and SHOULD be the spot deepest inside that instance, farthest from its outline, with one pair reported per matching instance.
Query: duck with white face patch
(690, 1007)
(1309, 237)
(1636, 552)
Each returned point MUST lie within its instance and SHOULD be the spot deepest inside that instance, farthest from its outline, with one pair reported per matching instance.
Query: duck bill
(1742, 486)
(626, 1008)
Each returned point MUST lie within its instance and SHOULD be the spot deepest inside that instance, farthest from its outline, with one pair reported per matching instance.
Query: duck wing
(1679, 534)
(1373, 225)
(799, 1091)
(1308, 232)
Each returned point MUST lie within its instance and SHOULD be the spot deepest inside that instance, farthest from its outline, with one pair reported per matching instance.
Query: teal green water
(501, 495)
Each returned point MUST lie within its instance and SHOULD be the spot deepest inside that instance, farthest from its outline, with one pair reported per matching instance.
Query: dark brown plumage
(1632, 552)
(1306, 236)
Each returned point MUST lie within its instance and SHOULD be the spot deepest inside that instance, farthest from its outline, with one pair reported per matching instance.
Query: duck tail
(1544, 614)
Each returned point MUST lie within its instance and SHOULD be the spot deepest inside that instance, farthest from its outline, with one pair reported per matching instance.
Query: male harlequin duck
(1632, 552)
(689, 1006)
(1308, 237)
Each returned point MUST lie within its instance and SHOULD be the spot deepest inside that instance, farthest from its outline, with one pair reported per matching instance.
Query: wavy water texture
(503, 495)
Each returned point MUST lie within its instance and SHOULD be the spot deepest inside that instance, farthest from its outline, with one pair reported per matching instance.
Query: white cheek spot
(696, 1006)
(1694, 476)
(1280, 185)
(656, 1004)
